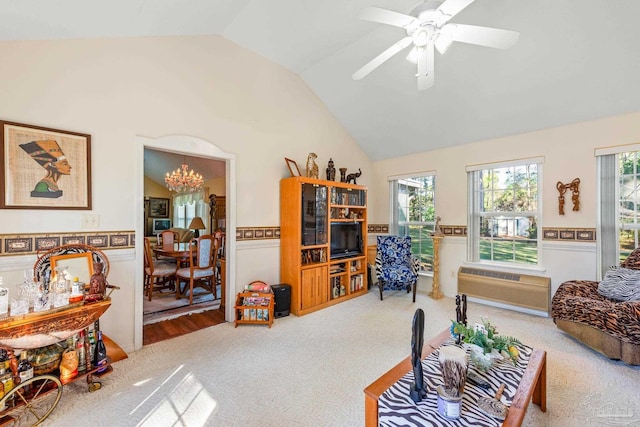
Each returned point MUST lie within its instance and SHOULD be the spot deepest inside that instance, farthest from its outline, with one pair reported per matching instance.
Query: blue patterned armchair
(395, 267)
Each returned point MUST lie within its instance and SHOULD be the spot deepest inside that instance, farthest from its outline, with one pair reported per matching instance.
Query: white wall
(207, 87)
(568, 152)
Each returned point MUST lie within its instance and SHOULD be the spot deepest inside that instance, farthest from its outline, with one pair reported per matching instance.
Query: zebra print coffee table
(387, 401)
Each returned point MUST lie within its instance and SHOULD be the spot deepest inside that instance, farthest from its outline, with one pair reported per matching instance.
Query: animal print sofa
(608, 326)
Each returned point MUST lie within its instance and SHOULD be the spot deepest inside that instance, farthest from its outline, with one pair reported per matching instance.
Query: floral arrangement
(485, 338)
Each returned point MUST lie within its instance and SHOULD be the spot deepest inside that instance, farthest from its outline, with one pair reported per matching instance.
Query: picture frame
(78, 265)
(294, 170)
(44, 168)
(158, 207)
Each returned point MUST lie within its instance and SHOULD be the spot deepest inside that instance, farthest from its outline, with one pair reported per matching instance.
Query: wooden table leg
(540, 390)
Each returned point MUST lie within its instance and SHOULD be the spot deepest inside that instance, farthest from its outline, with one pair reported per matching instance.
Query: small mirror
(77, 265)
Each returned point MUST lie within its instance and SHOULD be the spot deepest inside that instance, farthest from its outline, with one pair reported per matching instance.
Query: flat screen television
(161, 224)
(346, 239)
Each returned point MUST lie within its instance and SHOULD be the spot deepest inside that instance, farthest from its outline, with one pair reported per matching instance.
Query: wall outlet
(90, 221)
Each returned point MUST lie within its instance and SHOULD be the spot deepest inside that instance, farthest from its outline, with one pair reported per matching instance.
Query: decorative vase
(481, 360)
(343, 174)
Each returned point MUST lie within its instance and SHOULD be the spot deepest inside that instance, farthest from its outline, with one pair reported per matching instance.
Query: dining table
(177, 251)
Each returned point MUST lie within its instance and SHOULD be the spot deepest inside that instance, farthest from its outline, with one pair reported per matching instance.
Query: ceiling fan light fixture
(421, 36)
(413, 55)
(428, 28)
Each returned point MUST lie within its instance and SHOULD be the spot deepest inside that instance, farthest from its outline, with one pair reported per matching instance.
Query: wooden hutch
(323, 236)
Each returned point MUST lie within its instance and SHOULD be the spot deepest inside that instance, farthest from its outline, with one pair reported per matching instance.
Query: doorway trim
(191, 146)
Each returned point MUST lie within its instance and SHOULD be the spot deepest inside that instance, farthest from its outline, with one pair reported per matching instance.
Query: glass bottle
(92, 346)
(82, 353)
(25, 370)
(100, 354)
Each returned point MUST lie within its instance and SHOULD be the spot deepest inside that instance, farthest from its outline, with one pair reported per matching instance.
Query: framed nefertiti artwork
(44, 168)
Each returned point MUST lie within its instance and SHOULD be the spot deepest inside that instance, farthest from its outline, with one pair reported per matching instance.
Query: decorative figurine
(97, 283)
(312, 167)
(331, 171)
(352, 176)
(212, 212)
(417, 390)
(343, 172)
(437, 231)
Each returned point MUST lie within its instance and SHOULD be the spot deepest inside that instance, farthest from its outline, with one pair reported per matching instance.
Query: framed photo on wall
(44, 168)
(158, 208)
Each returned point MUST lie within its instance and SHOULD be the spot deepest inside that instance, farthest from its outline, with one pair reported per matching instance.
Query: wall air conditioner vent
(521, 290)
(489, 273)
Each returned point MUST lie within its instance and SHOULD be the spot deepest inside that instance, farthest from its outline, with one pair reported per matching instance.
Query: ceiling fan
(428, 26)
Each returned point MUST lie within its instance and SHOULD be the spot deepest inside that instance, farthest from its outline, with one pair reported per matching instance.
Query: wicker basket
(46, 359)
(47, 368)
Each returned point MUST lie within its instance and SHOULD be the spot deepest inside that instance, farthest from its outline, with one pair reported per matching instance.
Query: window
(413, 214)
(618, 224)
(184, 214)
(186, 206)
(504, 213)
(628, 203)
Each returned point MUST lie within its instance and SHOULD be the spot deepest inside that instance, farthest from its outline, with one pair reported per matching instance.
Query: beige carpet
(311, 370)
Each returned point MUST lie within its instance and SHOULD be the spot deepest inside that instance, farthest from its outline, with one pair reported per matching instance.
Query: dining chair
(157, 276)
(219, 236)
(167, 238)
(201, 272)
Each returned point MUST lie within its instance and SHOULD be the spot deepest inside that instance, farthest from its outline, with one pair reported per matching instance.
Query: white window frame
(395, 223)
(609, 196)
(475, 213)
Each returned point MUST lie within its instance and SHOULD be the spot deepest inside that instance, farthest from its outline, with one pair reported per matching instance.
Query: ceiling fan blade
(426, 77)
(378, 60)
(385, 16)
(484, 36)
(444, 38)
(451, 8)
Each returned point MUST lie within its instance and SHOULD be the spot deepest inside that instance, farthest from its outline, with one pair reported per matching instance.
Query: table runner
(395, 407)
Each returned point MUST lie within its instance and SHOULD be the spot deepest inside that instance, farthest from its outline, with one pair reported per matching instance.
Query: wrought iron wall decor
(575, 195)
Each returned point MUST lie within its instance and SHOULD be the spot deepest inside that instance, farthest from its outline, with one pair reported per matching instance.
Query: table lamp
(196, 224)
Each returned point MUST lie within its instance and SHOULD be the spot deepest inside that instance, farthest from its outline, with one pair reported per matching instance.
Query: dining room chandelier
(183, 180)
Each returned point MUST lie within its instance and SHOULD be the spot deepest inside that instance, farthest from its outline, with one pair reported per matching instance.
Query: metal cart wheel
(32, 407)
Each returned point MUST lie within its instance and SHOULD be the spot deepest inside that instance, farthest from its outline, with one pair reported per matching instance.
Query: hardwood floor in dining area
(167, 329)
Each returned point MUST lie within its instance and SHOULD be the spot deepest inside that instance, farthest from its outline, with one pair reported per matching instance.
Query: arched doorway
(186, 145)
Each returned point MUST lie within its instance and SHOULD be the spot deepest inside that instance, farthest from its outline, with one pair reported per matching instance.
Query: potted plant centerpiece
(484, 343)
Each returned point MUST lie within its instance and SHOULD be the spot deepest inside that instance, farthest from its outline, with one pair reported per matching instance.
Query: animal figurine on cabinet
(352, 176)
(312, 167)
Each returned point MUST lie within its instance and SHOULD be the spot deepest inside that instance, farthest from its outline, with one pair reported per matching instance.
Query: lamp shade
(197, 224)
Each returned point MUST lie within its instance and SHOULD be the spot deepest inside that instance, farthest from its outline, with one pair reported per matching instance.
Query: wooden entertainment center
(323, 237)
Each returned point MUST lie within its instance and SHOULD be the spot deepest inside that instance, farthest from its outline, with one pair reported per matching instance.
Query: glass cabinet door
(314, 214)
(348, 197)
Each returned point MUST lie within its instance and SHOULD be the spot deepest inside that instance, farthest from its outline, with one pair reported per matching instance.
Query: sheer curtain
(186, 206)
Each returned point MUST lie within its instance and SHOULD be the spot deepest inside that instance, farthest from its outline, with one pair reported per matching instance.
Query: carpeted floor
(311, 371)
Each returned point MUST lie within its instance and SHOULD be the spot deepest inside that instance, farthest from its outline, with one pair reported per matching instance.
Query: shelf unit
(308, 208)
(254, 308)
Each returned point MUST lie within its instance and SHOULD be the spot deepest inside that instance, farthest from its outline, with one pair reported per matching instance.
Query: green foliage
(487, 338)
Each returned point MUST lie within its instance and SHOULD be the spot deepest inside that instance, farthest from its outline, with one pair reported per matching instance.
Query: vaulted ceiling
(575, 60)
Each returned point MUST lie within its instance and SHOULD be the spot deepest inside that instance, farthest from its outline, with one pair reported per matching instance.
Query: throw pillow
(621, 284)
